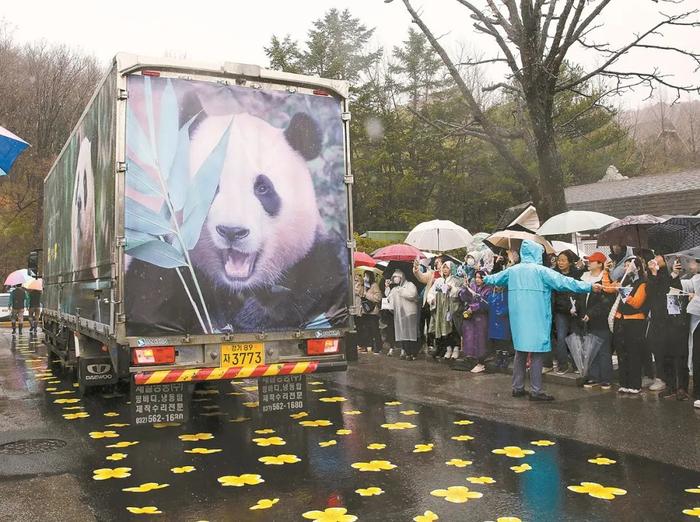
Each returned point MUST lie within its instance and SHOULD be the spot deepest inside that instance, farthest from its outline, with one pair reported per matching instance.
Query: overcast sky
(235, 30)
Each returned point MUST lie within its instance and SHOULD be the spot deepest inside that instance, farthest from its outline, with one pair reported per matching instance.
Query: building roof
(664, 194)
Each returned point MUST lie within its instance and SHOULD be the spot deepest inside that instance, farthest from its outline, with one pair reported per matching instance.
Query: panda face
(264, 216)
(83, 210)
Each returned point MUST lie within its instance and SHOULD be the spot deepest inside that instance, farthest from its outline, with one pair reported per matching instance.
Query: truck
(198, 227)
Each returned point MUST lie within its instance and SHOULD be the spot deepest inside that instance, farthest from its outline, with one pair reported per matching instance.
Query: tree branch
(670, 20)
(490, 130)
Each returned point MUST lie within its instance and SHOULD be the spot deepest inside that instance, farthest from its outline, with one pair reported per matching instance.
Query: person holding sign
(668, 330)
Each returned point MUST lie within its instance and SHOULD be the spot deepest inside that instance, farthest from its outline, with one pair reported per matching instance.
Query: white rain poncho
(404, 301)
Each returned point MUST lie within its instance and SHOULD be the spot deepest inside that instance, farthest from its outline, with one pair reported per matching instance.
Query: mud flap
(96, 371)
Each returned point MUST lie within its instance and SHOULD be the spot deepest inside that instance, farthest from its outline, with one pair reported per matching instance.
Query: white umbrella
(439, 236)
(574, 221)
(560, 246)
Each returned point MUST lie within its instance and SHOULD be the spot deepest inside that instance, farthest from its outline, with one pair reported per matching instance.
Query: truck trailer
(198, 227)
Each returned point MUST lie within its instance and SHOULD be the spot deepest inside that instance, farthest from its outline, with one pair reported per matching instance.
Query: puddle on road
(375, 457)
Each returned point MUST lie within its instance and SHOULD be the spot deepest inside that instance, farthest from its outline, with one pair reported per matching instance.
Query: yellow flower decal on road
(463, 422)
(423, 448)
(240, 419)
(393, 403)
(693, 490)
(398, 426)
(480, 480)
(210, 407)
(459, 463)
(353, 412)
(213, 414)
(265, 503)
(116, 456)
(247, 479)
(253, 404)
(596, 490)
(64, 392)
(123, 444)
(109, 434)
(79, 415)
(147, 510)
(183, 469)
(51, 389)
(369, 492)
(146, 487)
(203, 451)
(117, 425)
(269, 441)
(462, 438)
(508, 519)
(194, 437)
(694, 512)
(264, 432)
(299, 415)
(376, 446)
(513, 452)
(522, 468)
(72, 408)
(456, 494)
(332, 399)
(602, 461)
(542, 443)
(66, 401)
(278, 460)
(374, 465)
(343, 432)
(319, 390)
(327, 443)
(111, 414)
(335, 514)
(428, 516)
(109, 473)
(315, 383)
(409, 412)
(316, 423)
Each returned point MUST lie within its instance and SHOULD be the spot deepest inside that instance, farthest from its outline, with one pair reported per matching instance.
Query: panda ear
(304, 135)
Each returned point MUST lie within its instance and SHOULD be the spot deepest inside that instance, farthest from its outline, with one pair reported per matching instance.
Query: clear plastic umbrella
(583, 347)
(439, 236)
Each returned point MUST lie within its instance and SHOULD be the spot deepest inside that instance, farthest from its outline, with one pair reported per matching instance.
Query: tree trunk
(550, 199)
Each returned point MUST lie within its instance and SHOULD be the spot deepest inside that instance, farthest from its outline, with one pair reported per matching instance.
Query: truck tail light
(320, 92)
(148, 72)
(322, 346)
(153, 355)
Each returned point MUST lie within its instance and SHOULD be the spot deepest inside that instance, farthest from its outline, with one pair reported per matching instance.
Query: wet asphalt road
(300, 467)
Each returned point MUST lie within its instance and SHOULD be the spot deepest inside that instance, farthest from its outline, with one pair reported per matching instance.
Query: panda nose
(232, 234)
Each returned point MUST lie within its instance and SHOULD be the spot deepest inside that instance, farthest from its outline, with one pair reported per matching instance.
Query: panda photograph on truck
(228, 234)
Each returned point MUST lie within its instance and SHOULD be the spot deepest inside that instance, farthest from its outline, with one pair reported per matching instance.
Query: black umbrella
(406, 268)
(629, 231)
(675, 234)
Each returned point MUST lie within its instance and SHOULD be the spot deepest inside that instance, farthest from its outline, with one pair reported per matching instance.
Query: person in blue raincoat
(530, 287)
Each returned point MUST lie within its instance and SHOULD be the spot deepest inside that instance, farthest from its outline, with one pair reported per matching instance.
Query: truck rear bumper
(241, 372)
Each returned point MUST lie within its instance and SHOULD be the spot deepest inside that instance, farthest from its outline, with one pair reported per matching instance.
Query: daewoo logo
(98, 369)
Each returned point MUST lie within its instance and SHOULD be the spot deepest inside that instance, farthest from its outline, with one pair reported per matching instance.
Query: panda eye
(261, 188)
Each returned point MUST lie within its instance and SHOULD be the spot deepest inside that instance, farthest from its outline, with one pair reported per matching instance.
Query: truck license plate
(242, 354)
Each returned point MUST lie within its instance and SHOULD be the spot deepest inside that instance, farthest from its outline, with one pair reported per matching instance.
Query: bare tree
(534, 39)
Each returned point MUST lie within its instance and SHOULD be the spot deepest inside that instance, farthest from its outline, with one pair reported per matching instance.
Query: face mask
(366, 279)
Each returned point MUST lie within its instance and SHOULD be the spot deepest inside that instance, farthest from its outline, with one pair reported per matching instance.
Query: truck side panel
(236, 209)
(79, 216)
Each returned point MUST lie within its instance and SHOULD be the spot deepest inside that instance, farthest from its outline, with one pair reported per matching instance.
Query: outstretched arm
(499, 279)
(560, 283)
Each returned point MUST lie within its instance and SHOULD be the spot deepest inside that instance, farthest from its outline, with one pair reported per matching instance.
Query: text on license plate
(242, 354)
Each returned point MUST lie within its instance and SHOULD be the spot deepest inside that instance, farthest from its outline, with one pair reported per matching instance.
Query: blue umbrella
(11, 146)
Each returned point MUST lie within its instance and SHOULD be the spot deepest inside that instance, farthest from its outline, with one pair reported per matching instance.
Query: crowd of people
(532, 307)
